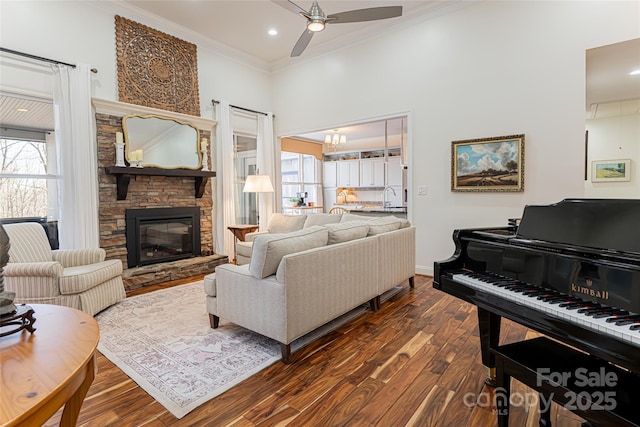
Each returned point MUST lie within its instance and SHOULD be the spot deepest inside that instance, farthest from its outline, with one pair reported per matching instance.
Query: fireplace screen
(162, 234)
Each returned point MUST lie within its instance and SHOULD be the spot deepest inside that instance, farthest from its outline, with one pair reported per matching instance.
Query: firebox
(162, 234)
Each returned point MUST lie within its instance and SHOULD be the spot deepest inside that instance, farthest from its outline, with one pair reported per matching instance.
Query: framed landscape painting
(610, 170)
(488, 164)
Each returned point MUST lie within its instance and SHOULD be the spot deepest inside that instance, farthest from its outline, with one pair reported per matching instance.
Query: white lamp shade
(258, 184)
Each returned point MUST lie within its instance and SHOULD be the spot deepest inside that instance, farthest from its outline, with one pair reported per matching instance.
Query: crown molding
(142, 16)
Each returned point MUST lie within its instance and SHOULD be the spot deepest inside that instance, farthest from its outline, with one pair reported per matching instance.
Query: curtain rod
(40, 58)
(214, 102)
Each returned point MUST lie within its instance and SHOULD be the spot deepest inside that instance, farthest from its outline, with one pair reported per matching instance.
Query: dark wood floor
(414, 362)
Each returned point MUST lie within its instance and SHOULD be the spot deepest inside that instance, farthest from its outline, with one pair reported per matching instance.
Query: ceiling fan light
(315, 25)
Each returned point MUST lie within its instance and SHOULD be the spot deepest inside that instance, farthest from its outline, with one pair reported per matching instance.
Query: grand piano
(569, 270)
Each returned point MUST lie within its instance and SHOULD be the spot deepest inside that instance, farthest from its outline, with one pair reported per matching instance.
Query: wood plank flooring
(414, 362)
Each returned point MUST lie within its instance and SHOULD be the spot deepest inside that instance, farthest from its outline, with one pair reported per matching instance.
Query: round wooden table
(51, 367)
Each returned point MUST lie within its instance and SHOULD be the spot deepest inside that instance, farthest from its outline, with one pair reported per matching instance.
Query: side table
(239, 232)
(49, 368)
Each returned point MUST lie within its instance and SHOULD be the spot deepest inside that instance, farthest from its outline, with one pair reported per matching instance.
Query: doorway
(374, 153)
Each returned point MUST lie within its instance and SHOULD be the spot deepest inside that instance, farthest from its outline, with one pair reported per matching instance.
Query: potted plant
(295, 201)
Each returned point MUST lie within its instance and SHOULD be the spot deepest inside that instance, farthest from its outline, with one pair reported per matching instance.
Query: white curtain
(225, 179)
(76, 149)
(265, 162)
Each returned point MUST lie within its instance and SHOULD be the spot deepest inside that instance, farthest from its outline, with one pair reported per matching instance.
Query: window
(245, 155)
(27, 175)
(28, 186)
(300, 173)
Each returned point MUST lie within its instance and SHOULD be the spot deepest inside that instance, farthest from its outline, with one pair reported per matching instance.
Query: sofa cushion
(269, 249)
(353, 217)
(321, 219)
(383, 225)
(80, 278)
(280, 223)
(345, 231)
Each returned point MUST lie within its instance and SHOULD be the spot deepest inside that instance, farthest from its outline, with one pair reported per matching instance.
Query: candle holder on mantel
(205, 160)
(120, 154)
(205, 157)
(12, 319)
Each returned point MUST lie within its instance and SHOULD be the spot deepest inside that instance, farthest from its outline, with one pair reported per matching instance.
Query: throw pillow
(321, 219)
(353, 217)
(268, 249)
(346, 231)
(383, 225)
(280, 223)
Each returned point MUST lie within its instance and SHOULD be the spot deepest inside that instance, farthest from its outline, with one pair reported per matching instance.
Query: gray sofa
(296, 282)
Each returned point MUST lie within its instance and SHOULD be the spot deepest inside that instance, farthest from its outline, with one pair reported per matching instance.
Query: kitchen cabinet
(329, 197)
(330, 174)
(394, 168)
(348, 174)
(372, 172)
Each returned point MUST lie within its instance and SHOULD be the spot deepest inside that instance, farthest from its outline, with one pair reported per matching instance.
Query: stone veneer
(148, 192)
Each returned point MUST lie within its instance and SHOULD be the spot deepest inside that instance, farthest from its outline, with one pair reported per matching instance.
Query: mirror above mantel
(164, 142)
(109, 112)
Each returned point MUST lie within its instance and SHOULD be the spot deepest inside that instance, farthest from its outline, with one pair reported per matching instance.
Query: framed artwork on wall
(611, 170)
(156, 69)
(488, 164)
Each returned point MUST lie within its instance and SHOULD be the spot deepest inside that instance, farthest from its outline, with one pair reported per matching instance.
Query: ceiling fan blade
(289, 5)
(361, 15)
(302, 43)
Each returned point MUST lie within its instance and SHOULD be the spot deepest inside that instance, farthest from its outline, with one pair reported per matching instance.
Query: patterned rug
(164, 342)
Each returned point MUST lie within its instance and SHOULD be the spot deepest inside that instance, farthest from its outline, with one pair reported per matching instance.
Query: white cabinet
(329, 197)
(394, 171)
(372, 172)
(348, 173)
(329, 174)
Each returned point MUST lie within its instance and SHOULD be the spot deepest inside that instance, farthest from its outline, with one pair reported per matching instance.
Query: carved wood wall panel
(156, 69)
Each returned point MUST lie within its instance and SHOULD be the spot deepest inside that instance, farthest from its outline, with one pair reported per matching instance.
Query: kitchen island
(397, 211)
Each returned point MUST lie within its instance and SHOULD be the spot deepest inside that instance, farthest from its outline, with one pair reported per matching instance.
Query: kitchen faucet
(387, 203)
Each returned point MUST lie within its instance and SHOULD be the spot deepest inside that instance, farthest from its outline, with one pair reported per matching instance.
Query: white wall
(84, 32)
(493, 68)
(614, 138)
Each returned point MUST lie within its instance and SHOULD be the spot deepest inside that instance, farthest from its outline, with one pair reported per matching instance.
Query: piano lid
(604, 224)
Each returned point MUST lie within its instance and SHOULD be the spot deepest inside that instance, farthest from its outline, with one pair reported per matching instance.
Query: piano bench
(599, 392)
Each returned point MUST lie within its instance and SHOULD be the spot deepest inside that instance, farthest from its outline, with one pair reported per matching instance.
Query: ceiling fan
(316, 19)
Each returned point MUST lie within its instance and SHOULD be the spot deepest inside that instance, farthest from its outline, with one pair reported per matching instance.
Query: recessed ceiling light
(273, 32)
(22, 110)
(635, 72)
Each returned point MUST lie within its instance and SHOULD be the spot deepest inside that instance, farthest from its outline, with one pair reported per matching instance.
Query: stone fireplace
(150, 192)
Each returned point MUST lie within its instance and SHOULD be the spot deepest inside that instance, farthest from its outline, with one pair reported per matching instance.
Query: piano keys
(570, 270)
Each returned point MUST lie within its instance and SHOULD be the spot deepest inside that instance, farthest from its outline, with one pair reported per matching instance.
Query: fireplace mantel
(123, 176)
(121, 109)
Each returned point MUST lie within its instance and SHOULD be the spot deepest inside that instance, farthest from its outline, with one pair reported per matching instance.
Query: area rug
(164, 342)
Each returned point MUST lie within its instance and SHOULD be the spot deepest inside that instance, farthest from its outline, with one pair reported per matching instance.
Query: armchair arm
(76, 257)
(33, 269)
(250, 236)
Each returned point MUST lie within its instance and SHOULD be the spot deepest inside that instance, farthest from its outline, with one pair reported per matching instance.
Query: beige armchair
(79, 278)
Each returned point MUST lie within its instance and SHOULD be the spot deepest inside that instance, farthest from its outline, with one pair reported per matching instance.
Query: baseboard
(424, 270)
